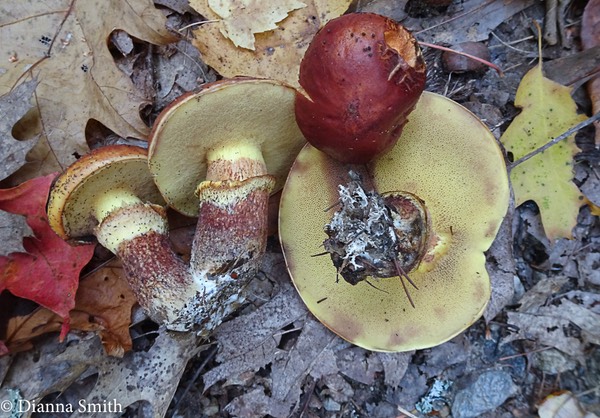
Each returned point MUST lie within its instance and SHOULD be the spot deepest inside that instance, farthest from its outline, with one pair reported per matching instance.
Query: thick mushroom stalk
(218, 154)
(232, 211)
(109, 194)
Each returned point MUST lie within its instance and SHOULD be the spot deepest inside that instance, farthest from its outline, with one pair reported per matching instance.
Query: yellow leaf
(277, 53)
(241, 19)
(64, 45)
(548, 111)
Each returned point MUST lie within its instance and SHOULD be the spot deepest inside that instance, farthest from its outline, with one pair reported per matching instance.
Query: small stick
(556, 140)
(464, 54)
(402, 276)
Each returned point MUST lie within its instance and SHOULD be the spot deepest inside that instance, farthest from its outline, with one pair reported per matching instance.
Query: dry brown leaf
(277, 53)
(13, 106)
(551, 324)
(563, 405)
(63, 44)
(249, 342)
(103, 304)
(147, 378)
(241, 19)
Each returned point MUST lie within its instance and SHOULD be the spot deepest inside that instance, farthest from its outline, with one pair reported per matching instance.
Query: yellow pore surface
(446, 157)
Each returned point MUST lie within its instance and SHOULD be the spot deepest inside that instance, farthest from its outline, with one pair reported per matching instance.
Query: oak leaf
(241, 19)
(548, 111)
(13, 106)
(48, 273)
(277, 53)
(64, 45)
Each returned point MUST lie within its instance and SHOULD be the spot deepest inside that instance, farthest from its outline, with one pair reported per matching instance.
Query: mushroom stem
(160, 280)
(113, 199)
(233, 209)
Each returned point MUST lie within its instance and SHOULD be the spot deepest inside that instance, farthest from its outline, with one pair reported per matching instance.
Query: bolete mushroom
(362, 75)
(109, 194)
(218, 154)
(448, 162)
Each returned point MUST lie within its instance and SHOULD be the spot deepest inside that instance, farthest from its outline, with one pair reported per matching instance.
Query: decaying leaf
(563, 405)
(249, 342)
(13, 107)
(48, 273)
(548, 111)
(149, 377)
(241, 19)
(277, 53)
(552, 324)
(63, 44)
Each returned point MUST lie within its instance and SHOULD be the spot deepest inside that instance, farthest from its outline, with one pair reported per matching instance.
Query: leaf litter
(351, 380)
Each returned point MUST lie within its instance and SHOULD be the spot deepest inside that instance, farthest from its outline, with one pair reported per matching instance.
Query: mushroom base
(232, 224)
(373, 235)
(160, 280)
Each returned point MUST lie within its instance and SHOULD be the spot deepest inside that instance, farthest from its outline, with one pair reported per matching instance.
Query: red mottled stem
(232, 224)
(161, 281)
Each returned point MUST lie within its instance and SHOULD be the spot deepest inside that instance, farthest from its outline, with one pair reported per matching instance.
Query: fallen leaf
(63, 44)
(277, 53)
(147, 378)
(551, 324)
(469, 21)
(13, 107)
(241, 19)
(250, 342)
(103, 304)
(548, 111)
(48, 273)
(563, 405)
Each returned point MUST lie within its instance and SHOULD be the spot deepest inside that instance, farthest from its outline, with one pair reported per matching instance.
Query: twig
(405, 412)
(208, 358)
(556, 140)
(464, 54)
(196, 24)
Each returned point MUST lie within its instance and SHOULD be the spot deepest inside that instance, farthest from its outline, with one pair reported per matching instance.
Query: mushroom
(218, 154)
(448, 162)
(362, 75)
(109, 194)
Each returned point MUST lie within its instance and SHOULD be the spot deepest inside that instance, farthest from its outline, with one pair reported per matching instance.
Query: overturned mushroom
(218, 154)
(109, 194)
(450, 163)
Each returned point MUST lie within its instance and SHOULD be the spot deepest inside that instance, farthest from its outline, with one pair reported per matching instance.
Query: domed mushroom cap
(451, 161)
(75, 193)
(241, 114)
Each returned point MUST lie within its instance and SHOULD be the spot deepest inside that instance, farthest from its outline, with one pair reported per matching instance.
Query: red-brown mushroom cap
(243, 115)
(450, 160)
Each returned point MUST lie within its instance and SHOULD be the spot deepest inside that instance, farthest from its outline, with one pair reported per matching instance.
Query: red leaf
(48, 273)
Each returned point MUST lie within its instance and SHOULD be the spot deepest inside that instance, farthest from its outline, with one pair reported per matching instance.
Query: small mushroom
(109, 194)
(362, 75)
(449, 162)
(218, 154)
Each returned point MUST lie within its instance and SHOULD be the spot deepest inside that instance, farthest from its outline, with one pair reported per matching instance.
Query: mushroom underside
(451, 161)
